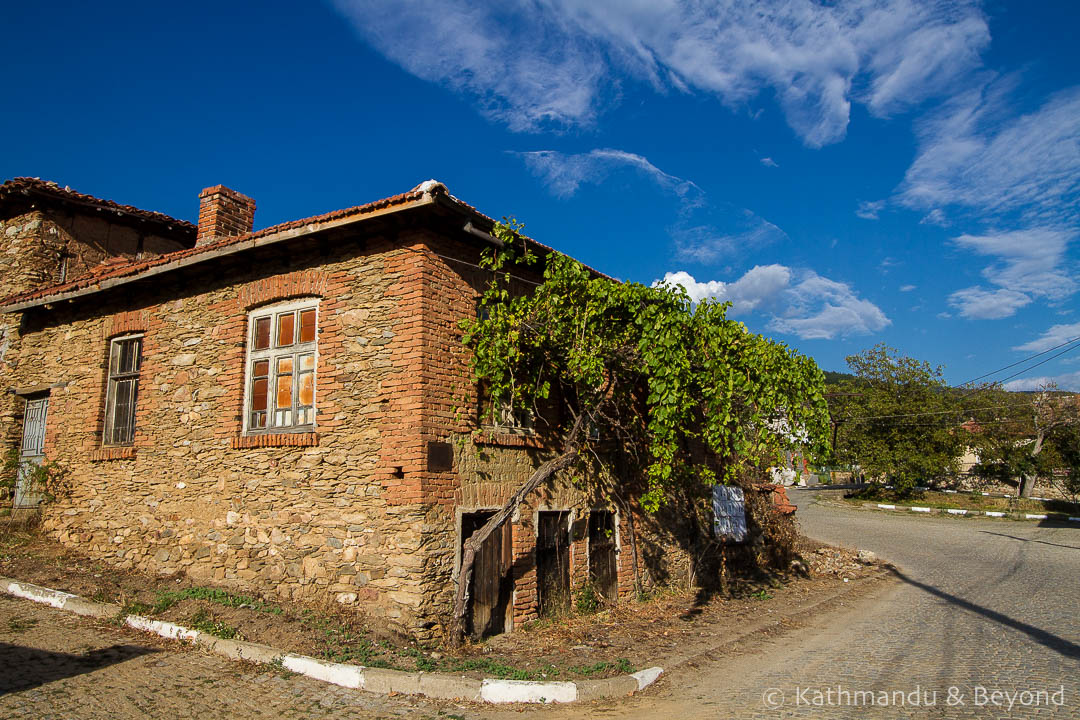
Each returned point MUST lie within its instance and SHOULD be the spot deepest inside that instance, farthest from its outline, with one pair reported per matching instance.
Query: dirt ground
(670, 624)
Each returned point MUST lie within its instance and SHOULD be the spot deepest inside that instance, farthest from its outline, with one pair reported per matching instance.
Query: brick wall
(355, 510)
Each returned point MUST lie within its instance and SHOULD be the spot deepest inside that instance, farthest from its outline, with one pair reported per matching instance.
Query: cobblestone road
(979, 603)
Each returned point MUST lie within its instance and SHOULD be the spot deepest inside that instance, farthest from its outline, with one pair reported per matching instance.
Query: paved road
(985, 603)
(980, 603)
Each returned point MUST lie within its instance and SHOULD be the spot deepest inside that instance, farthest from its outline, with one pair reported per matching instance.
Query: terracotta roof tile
(25, 186)
(117, 268)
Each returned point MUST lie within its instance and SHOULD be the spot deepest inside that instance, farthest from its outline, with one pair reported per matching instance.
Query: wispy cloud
(869, 209)
(564, 174)
(907, 288)
(1029, 265)
(974, 155)
(795, 302)
(1055, 336)
(706, 243)
(703, 231)
(557, 62)
(769, 162)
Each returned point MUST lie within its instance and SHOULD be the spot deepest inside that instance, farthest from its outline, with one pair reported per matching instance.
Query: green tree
(640, 377)
(1022, 437)
(896, 420)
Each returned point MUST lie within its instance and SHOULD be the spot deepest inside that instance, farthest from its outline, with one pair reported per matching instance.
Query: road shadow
(1023, 539)
(1044, 638)
(22, 668)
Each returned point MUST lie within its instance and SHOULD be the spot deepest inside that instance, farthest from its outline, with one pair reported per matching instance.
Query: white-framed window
(279, 378)
(122, 391)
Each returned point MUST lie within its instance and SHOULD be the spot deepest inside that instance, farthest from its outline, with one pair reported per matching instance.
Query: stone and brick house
(281, 411)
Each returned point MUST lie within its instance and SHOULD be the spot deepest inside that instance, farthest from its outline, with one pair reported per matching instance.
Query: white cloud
(982, 304)
(1054, 337)
(1067, 381)
(935, 217)
(800, 303)
(769, 162)
(564, 174)
(533, 64)
(1029, 261)
(1029, 265)
(907, 288)
(972, 154)
(869, 210)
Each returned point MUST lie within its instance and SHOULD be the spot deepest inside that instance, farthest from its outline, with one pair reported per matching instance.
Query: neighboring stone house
(283, 411)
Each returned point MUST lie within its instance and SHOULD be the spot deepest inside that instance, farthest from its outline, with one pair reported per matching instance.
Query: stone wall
(360, 510)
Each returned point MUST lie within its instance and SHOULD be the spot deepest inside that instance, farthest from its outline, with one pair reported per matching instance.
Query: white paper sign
(729, 513)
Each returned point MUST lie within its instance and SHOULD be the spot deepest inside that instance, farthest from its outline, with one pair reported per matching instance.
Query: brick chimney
(223, 213)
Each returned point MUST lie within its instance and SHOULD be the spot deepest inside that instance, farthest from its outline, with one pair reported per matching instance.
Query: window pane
(123, 411)
(259, 394)
(284, 391)
(307, 362)
(262, 333)
(307, 388)
(129, 355)
(307, 326)
(286, 327)
(262, 368)
(285, 365)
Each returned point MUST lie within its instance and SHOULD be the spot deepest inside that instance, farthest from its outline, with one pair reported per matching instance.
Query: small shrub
(588, 600)
(204, 621)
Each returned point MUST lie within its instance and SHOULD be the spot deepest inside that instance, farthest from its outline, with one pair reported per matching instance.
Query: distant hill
(832, 377)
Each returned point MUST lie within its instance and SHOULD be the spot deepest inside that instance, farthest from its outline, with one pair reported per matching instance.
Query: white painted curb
(162, 628)
(920, 509)
(1030, 516)
(435, 685)
(646, 677)
(994, 513)
(53, 598)
(350, 676)
(886, 507)
(954, 511)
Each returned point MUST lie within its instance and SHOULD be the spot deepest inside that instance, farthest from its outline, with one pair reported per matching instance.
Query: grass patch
(622, 666)
(18, 624)
(204, 621)
(167, 598)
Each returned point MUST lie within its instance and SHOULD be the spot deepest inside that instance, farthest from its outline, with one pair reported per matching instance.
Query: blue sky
(844, 173)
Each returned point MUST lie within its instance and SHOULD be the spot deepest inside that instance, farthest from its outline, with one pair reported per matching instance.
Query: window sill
(106, 454)
(508, 439)
(241, 442)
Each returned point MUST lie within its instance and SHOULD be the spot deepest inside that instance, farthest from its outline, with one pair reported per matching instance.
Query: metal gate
(31, 452)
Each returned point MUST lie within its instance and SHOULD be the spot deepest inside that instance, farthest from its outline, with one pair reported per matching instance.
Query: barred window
(125, 361)
(280, 376)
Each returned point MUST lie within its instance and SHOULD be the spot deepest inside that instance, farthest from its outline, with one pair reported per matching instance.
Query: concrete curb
(375, 680)
(1062, 517)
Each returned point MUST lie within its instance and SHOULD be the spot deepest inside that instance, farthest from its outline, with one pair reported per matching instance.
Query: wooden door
(553, 561)
(492, 587)
(603, 570)
(31, 452)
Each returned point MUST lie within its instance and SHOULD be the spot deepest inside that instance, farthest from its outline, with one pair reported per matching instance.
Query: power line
(1020, 362)
(1043, 362)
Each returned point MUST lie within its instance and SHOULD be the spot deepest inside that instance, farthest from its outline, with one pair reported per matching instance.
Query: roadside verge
(377, 680)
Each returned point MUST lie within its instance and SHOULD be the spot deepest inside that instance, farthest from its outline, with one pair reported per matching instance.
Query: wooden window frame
(114, 378)
(273, 354)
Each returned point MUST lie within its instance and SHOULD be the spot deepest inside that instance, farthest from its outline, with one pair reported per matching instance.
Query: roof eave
(230, 249)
